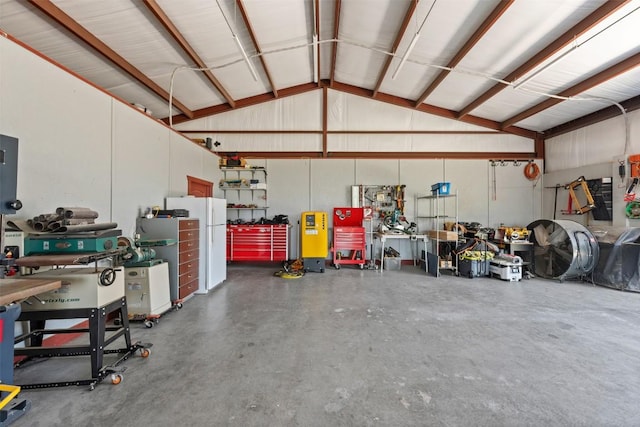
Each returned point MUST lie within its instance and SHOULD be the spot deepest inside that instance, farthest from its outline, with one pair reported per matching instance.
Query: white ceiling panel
(21, 21)
(441, 36)
(508, 102)
(290, 68)
(268, 22)
(363, 73)
(604, 95)
(525, 29)
(111, 22)
(444, 33)
(372, 23)
(286, 49)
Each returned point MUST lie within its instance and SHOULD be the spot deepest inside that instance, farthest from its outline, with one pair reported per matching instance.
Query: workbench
(413, 238)
(12, 290)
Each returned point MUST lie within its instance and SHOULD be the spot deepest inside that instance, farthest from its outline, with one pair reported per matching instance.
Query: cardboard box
(446, 263)
(451, 236)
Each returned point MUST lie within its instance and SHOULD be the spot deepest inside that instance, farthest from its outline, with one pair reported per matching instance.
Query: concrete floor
(366, 348)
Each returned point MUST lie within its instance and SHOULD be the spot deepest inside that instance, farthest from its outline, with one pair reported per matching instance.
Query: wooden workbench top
(12, 290)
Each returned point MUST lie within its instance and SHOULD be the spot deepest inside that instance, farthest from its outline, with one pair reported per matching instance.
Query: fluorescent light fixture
(315, 58)
(246, 58)
(406, 55)
(594, 32)
(544, 68)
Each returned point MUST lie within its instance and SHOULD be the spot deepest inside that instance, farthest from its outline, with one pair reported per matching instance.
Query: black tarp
(619, 263)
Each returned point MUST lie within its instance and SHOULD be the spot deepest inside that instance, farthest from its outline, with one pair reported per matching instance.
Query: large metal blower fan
(563, 249)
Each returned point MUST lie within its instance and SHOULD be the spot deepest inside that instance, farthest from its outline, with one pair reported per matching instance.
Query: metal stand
(11, 407)
(371, 264)
(413, 238)
(13, 410)
(98, 341)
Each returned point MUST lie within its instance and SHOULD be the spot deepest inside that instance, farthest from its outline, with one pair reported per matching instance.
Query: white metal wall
(594, 151)
(347, 113)
(296, 186)
(79, 146)
(595, 144)
(566, 176)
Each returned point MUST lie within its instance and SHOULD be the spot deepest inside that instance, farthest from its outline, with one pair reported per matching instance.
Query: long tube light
(246, 58)
(406, 55)
(315, 58)
(544, 68)
(520, 81)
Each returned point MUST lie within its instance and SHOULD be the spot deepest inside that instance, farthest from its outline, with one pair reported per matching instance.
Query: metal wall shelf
(241, 189)
(436, 212)
(243, 194)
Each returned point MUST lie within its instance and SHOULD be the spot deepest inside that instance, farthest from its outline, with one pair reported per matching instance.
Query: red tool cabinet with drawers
(258, 242)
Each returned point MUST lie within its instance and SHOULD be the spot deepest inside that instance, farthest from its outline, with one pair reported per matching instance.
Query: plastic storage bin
(441, 188)
(392, 263)
(473, 268)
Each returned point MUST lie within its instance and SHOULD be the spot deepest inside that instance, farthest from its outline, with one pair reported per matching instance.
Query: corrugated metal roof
(587, 47)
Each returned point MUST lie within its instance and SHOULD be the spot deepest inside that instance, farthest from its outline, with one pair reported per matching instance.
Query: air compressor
(314, 240)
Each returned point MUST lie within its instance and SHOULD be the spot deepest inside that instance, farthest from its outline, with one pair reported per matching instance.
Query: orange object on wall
(531, 171)
(634, 163)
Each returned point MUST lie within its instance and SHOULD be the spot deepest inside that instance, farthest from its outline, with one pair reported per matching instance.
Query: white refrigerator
(212, 214)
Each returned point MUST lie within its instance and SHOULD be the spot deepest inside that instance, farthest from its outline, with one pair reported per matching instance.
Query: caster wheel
(116, 379)
(179, 305)
(145, 352)
(361, 266)
(337, 266)
(322, 270)
(117, 322)
(148, 323)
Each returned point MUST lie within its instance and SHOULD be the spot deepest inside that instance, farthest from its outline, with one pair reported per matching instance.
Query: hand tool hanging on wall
(573, 197)
(555, 201)
(400, 198)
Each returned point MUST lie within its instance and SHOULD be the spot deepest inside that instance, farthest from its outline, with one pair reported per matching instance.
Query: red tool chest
(349, 238)
(258, 242)
(349, 245)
